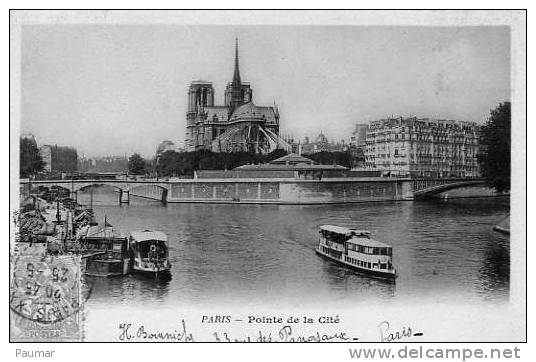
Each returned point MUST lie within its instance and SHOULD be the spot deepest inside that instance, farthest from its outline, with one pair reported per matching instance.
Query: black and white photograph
(267, 176)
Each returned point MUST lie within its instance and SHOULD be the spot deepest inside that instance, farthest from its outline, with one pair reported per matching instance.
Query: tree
(172, 163)
(31, 161)
(136, 164)
(494, 157)
(328, 158)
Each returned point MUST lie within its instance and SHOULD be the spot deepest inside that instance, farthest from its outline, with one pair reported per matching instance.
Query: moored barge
(105, 251)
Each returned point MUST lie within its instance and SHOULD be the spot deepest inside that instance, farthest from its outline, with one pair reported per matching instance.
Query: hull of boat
(390, 276)
(153, 273)
(107, 268)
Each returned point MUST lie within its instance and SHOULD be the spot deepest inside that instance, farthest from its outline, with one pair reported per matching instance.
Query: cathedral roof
(220, 112)
(250, 111)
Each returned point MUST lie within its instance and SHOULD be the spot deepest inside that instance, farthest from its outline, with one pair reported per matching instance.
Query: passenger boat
(105, 252)
(150, 253)
(355, 249)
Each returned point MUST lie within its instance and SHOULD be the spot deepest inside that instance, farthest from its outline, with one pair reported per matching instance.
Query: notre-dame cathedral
(238, 125)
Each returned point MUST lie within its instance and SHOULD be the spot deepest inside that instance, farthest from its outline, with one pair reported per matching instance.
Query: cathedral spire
(236, 75)
(236, 91)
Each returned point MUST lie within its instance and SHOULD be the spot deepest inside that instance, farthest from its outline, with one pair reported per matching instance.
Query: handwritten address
(132, 332)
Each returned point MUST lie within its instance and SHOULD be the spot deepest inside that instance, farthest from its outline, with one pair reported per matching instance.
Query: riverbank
(302, 192)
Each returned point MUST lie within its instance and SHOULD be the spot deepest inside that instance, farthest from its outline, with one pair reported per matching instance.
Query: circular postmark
(45, 289)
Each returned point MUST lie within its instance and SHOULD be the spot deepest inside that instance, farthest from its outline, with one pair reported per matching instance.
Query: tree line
(172, 163)
(177, 164)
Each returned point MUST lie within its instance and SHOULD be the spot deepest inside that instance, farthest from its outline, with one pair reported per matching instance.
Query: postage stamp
(45, 298)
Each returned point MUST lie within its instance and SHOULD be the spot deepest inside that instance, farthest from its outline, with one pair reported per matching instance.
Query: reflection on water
(266, 253)
(495, 270)
(121, 290)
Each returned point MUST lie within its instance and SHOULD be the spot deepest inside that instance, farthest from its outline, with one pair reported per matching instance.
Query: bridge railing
(423, 184)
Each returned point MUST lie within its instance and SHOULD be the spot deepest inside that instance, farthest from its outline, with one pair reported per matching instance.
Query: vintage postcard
(268, 176)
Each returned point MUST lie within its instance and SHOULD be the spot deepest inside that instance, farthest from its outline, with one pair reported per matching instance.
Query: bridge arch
(87, 186)
(122, 189)
(152, 191)
(429, 189)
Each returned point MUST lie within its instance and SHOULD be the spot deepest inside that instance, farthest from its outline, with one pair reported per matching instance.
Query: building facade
(237, 125)
(59, 158)
(359, 136)
(357, 145)
(103, 164)
(413, 147)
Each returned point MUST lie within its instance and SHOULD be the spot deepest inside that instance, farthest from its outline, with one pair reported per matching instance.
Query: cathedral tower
(200, 96)
(237, 92)
(235, 125)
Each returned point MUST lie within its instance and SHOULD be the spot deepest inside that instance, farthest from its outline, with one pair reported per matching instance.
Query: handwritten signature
(388, 335)
(129, 333)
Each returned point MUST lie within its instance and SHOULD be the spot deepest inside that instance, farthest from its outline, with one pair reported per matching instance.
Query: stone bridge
(154, 190)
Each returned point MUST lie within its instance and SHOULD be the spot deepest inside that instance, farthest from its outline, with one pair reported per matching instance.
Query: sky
(120, 89)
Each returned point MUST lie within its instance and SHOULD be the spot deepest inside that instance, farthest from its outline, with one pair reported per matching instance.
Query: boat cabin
(341, 234)
(105, 239)
(356, 249)
(105, 251)
(149, 244)
(150, 252)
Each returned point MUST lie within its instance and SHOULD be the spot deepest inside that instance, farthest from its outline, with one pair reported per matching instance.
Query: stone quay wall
(286, 191)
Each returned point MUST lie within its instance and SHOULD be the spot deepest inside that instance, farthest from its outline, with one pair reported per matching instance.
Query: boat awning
(343, 230)
(144, 235)
(368, 242)
(103, 232)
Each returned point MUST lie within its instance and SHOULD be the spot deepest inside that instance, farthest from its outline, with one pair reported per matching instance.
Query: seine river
(236, 253)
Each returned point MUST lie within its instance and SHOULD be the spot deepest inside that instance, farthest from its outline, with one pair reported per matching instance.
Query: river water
(263, 253)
